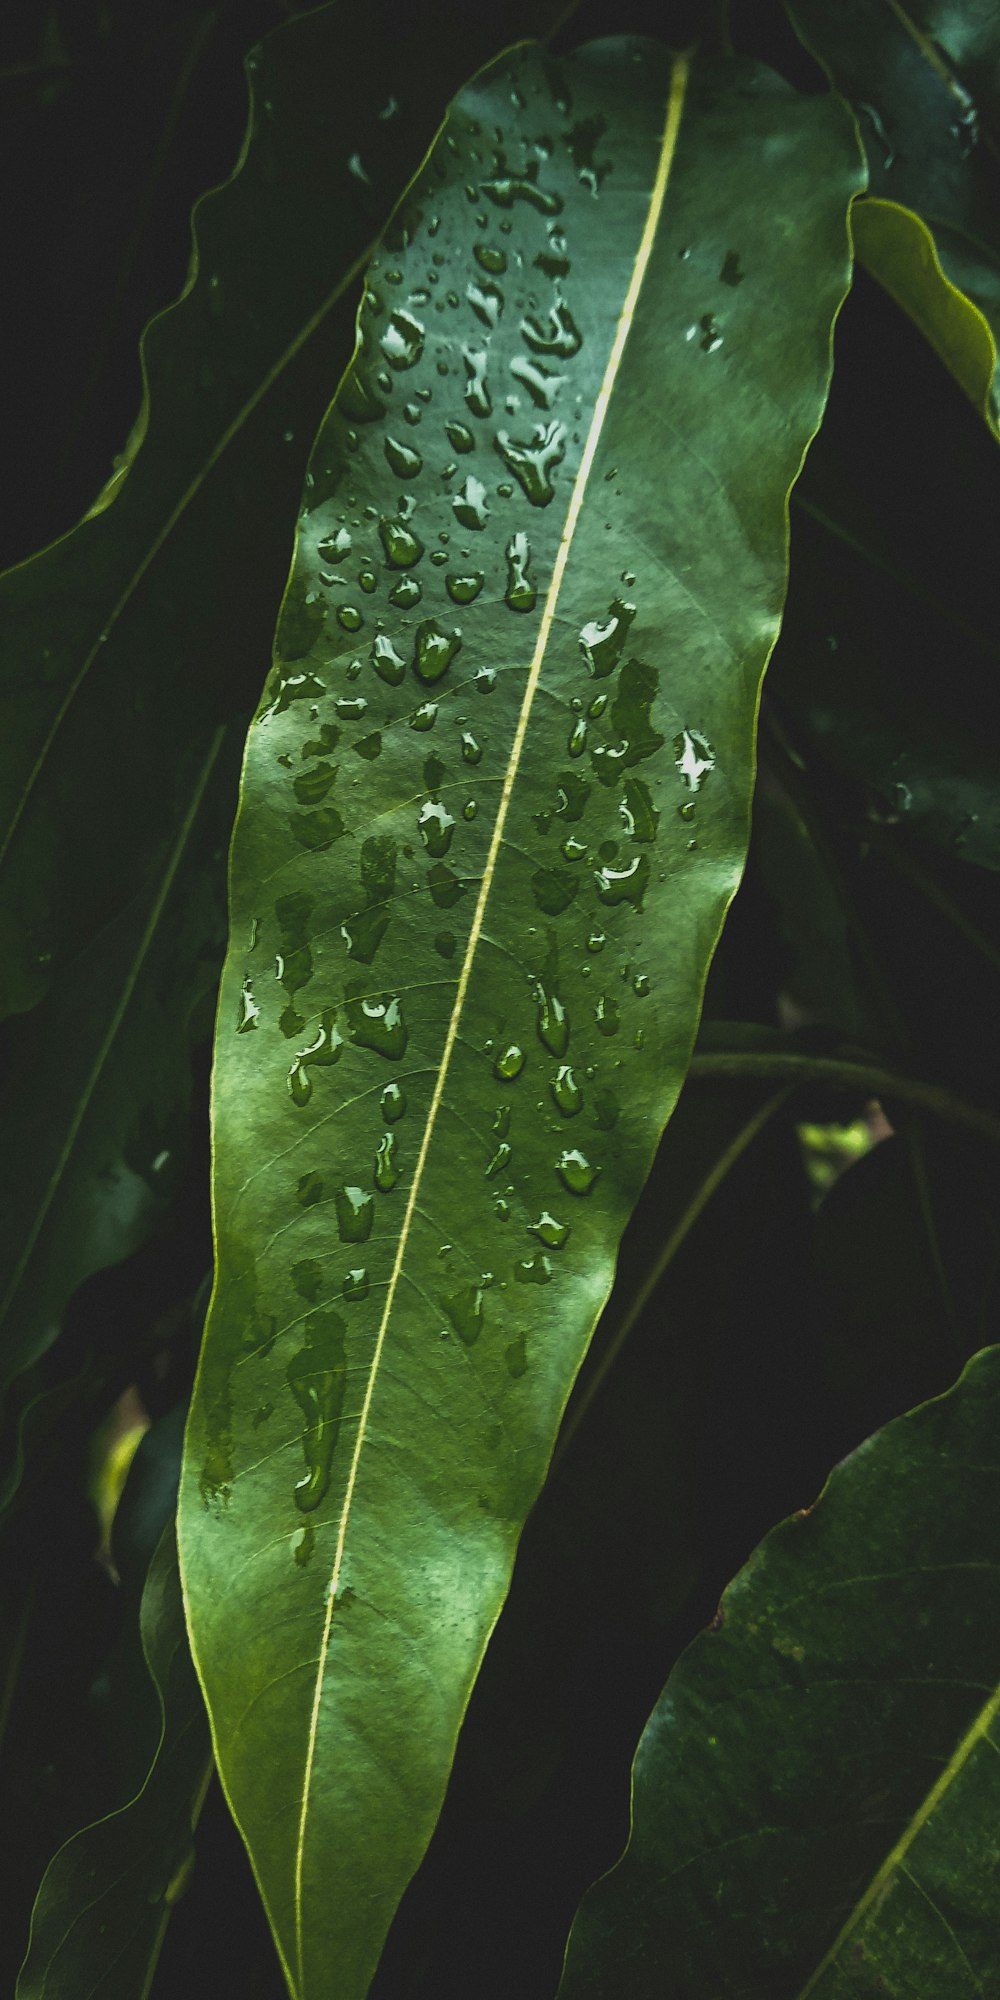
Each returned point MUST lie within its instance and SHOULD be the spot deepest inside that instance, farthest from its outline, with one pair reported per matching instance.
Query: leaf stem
(794, 1068)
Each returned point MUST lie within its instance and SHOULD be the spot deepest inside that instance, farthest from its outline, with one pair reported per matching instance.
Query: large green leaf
(924, 80)
(494, 808)
(815, 1796)
(132, 642)
(106, 1897)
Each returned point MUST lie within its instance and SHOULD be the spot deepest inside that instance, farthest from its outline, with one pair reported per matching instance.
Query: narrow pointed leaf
(132, 642)
(106, 1897)
(924, 82)
(494, 808)
(815, 1796)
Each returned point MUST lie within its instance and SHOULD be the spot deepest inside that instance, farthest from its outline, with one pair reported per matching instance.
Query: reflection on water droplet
(472, 751)
(477, 393)
(533, 463)
(402, 547)
(499, 1160)
(406, 593)
(572, 848)
(559, 336)
(520, 594)
(510, 1062)
(694, 758)
(551, 1232)
(687, 810)
(576, 742)
(459, 437)
(552, 1022)
(393, 1102)
(424, 717)
(351, 707)
(470, 504)
(436, 825)
(641, 986)
(404, 460)
(317, 1376)
(606, 1015)
(533, 1270)
(349, 618)
(433, 651)
(486, 301)
(465, 1311)
(464, 589)
(624, 885)
(386, 1169)
(355, 1211)
(576, 1172)
(355, 1285)
(321, 1053)
(334, 546)
(602, 644)
(249, 1011)
(402, 343)
(566, 1091)
(376, 1022)
(470, 809)
(509, 188)
(386, 660)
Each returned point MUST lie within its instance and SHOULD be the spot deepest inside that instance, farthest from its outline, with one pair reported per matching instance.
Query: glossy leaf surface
(131, 644)
(106, 1898)
(494, 808)
(816, 1793)
(924, 82)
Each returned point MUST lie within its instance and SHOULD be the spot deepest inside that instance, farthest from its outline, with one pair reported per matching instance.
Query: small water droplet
(501, 1121)
(465, 589)
(566, 1092)
(606, 1015)
(386, 1169)
(459, 437)
(355, 1285)
(425, 716)
(436, 825)
(477, 393)
(393, 1103)
(465, 1311)
(549, 1230)
(317, 1377)
(489, 259)
(470, 809)
(349, 618)
(433, 651)
(470, 505)
(641, 986)
(576, 742)
(572, 848)
(533, 1270)
(472, 750)
(368, 580)
(711, 338)
(520, 594)
(576, 1172)
(552, 1021)
(510, 1062)
(499, 1160)
(355, 1211)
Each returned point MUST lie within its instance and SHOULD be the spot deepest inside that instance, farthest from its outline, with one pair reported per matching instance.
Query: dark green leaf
(455, 1017)
(816, 1793)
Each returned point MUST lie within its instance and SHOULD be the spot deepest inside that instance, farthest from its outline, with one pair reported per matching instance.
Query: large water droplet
(437, 826)
(465, 589)
(477, 393)
(402, 342)
(510, 1061)
(533, 1270)
(386, 1169)
(694, 758)
(566, 1091)
(470, 505)
(576, 1172)
(602, 644)
(552, 1021)
(606, 1015)
(349, 618)
(320, 1054)
(520, 594)
(386, 661)
(351, 707)
(465, 1311)
(624, 885)
(486, 301)
(355, 1210)
(509, 188)
(533, 463)
(393, 1103)
(309, 1189)
(404, 460)
(459, 437)
(433, 650)
(559, 336)
(445, 887)
(550, 1231)
(630, 717)
(424, 717)
(542, 384)
(317, 1377)
(638, 812)
(406, 593)
(402, 547)
(376, 1022)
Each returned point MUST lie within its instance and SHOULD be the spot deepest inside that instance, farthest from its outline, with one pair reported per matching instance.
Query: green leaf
(816, 1793)
(923, 81)
(494, 808)
(135, 640)
(106, 1897)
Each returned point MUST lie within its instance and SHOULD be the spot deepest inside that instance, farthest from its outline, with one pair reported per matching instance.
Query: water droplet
(393, 1103)
(576, 741)
(499, 1160)
(433, 652)
(552, 1021)
(510, 1062)
(520, 594)
(351, 707)
(509, 188)
(402, 547)
(566, 1091)
(687, 810)
(624, 885)
(412, 412)
(533, 1270)
(470, 505)
(731, 273)
(630, 716)
(606, 1015)
(320, 1054)
(470, 809)
(368, 580)
(516, 1357)
(444, 944)
(641, 986)
(355, 1210)
(334, 546)
(542, 384)
(532, 463)
(445, 887)
(501, 1121)
(307, 1278)
(465, 1311)
(486, 680)
(459, 437)
(249, 1013)
(317, 1377)
(576, 1172)
(554, 889)
(573, 848)
(559, 336)
(425, 716)
(639, 815)
(355, 1285)
(694, 758)
(402, 342)
(386, 661)
(349, 618)
(465, 589)
(376, 1022)
(472, 751)
(309, 1189)
(477, 393)
(489, 259)
(436, 825)
(303, 1546)
(386, 1170)
(711, 338)
(550, 1231)
(602, 644)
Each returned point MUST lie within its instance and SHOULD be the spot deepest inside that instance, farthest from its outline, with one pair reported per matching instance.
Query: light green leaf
(816, 1794)
(494, 809)
(924, 82)
(106, 1898)
(132, 643)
